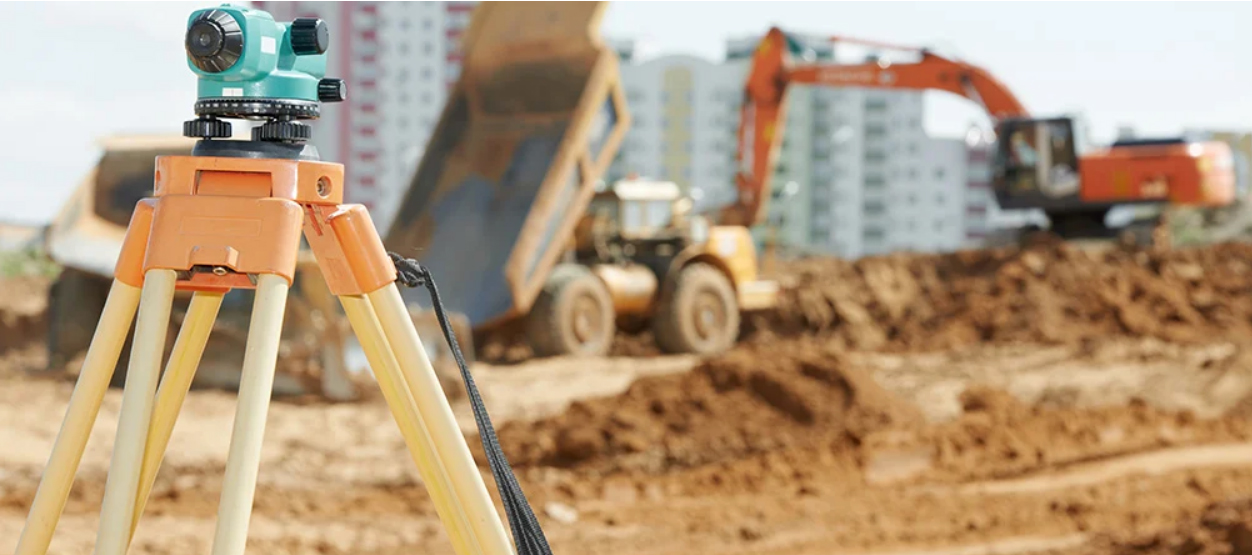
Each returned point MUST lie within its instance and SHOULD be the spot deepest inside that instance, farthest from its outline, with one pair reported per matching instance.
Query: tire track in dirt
(1111, 468)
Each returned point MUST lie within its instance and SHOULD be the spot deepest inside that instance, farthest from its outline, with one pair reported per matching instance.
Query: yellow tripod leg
(80, 417)
(370, 334)
(469, 490)
(137, 398)
(179, 373)
(255, 387)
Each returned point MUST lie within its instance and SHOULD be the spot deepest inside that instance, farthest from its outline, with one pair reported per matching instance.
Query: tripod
(230, 217)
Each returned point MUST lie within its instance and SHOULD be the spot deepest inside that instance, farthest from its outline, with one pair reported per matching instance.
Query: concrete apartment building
(398, 60)
(867, 178)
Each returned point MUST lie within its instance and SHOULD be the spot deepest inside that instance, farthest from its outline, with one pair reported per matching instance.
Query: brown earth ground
(1054, 400)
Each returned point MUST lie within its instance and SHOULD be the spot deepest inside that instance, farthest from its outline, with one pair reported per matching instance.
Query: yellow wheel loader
(504, 208)
(319, 355)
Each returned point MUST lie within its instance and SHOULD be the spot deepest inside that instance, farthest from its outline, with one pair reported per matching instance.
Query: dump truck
(319, 355)
(509, 209)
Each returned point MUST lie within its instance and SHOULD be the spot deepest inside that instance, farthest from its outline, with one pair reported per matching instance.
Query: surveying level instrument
(230, 216)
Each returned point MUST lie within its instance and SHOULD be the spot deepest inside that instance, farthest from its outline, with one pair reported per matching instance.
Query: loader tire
(697, 313)
(75, 303)
(573, 315)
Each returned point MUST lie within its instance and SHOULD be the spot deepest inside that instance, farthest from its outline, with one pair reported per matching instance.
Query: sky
(74, 72)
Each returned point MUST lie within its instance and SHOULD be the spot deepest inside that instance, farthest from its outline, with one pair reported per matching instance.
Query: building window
(428, 48)
(875, 155)
(875, 208)
(871, 233)
(939, 173)
(427, 73)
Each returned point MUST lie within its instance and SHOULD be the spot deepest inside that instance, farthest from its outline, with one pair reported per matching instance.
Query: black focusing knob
(309, 36)
(332, 90)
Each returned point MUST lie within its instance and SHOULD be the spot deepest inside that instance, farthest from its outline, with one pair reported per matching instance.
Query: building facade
(398, 60)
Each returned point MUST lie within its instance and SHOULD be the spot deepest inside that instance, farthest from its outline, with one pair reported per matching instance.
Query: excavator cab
(1036, 163)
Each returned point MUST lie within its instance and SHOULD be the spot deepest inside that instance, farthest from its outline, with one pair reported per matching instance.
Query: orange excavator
(1036, 164)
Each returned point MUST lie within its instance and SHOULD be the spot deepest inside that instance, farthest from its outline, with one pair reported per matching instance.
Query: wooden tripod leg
(179, 373)
(137, 398)
(255, 387)
(469, 490)
(80, 417)
(369, 332)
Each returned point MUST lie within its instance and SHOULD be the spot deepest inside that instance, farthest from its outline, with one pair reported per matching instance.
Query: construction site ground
(1048, 400)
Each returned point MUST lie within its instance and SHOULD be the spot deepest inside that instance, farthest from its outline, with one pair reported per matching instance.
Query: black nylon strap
(528, 536)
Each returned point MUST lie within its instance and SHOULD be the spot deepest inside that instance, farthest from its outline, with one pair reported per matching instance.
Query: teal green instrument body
(268, 64)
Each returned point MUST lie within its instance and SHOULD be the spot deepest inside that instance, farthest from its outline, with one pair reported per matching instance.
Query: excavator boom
(1036, 164)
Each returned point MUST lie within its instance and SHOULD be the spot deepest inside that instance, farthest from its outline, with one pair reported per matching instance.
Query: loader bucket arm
(532, 124)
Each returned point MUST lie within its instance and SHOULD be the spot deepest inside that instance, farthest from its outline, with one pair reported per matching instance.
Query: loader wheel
(572, 316)
(697, 313)
(75, 302)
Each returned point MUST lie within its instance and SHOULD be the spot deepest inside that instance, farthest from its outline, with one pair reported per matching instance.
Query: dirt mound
(751, 400)
(23, 311)
(1050, 293)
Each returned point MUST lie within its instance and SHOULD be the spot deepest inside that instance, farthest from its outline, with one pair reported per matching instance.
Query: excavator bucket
(533, 122)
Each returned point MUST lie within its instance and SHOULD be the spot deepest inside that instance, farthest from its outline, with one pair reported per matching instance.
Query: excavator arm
(1037, 164)
(762, 116)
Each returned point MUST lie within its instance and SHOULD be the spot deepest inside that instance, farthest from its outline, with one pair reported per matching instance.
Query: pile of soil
(755, 399)
(1047, 293)
(766, 413)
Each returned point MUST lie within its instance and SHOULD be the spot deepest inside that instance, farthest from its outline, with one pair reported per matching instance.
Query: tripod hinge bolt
(332, 90)
(219, 271)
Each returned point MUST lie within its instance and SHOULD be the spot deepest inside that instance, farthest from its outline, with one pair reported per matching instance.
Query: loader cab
(1035, 163)
(639, 209)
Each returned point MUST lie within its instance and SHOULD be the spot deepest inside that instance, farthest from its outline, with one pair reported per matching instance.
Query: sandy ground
(336, 478)
(1053, 400)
